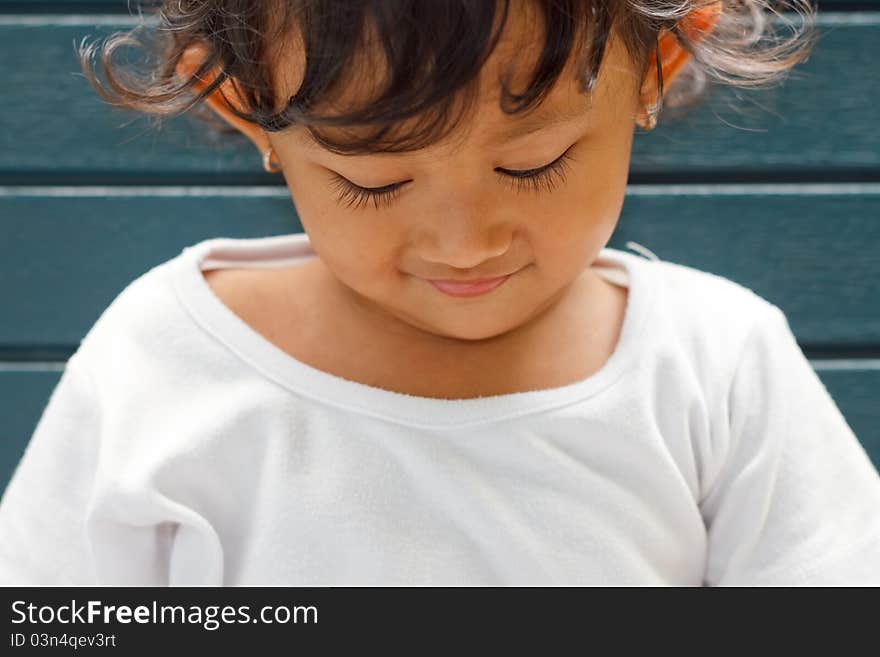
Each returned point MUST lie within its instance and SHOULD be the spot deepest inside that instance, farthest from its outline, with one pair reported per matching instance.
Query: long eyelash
(352, 195)
(548, 176)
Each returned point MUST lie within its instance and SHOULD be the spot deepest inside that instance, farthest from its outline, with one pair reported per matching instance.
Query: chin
(473, 334)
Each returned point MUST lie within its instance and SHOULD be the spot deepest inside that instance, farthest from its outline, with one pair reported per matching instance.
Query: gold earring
(651, 122)
(267, 161)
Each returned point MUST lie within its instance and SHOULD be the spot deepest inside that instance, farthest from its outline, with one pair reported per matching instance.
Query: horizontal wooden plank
(818, 125)
(811, 249)
(23, 396)
(24, 393)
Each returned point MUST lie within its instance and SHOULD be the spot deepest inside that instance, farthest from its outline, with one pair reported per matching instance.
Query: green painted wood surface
(805, 248)
(56, 129)
(23, 396)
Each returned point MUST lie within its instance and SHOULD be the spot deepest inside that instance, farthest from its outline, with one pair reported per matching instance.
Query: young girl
(447, 378)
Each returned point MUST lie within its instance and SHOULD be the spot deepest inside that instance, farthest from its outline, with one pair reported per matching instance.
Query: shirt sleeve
(796, 499)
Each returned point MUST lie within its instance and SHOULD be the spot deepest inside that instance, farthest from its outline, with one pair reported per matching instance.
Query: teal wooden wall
(782, 195)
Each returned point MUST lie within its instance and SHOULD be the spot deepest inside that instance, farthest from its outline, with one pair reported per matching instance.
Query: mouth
(468, 288)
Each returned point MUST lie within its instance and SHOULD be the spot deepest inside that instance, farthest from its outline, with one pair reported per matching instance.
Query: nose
(459, 244)
(462, 254)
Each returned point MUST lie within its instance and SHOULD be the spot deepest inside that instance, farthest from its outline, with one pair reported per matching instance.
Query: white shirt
(181, 447)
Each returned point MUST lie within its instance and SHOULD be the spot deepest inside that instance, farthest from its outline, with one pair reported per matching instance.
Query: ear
(673, 57)
(186, 68)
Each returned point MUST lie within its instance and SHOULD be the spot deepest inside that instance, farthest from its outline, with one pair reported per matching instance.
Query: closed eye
(548, 176)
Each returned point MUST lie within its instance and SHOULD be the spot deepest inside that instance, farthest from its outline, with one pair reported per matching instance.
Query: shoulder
(704, 321)
(707, 301)
(145, 316)
(690, 286)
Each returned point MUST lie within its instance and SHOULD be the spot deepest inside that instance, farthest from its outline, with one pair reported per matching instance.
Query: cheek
(350, 243)
(597, 198)
(574, 228)
(331, 228)
(586, 209)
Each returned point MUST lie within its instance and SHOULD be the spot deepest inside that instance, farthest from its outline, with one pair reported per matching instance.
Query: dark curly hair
(240, 37)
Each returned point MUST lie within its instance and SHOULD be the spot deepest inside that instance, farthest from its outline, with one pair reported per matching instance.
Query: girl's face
(460, 213)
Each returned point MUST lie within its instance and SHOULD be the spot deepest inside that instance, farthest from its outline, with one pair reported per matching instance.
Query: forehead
(514, 58)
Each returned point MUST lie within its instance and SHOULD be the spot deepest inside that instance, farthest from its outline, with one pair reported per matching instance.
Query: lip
(468, 288)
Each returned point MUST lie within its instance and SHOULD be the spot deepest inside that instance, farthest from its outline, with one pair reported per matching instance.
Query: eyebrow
(541, 119)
